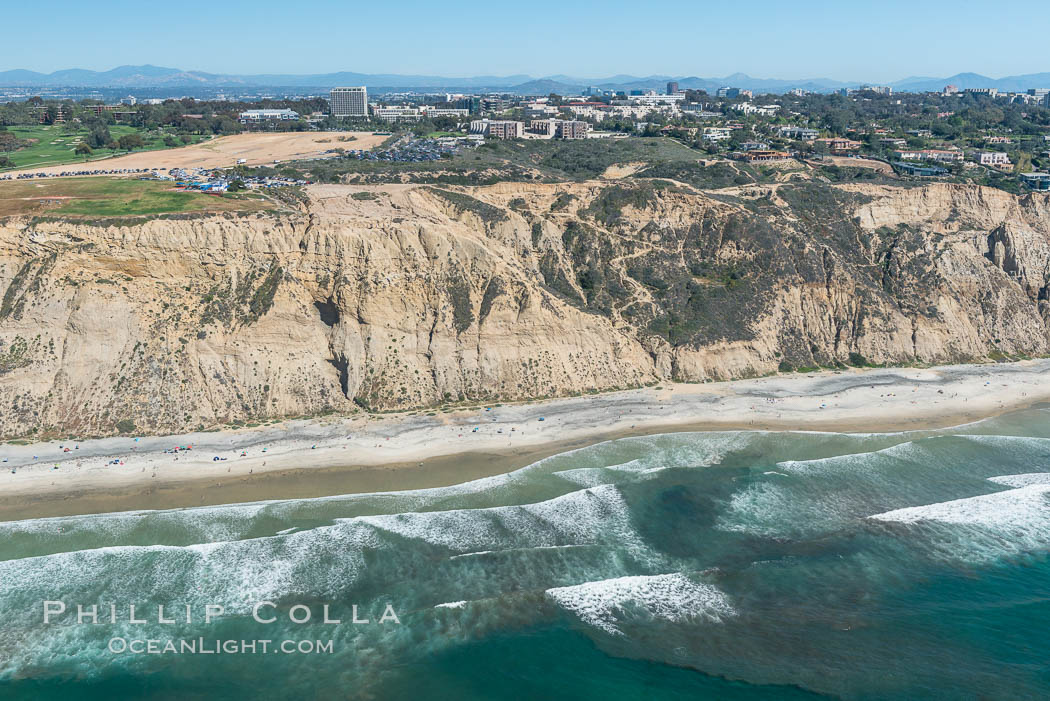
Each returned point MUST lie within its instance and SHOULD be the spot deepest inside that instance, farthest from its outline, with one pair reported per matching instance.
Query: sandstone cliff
(411, 296)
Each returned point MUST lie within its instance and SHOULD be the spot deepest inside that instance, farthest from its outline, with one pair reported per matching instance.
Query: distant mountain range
(138, 77)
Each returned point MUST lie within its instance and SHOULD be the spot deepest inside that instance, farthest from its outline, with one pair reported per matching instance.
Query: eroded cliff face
(410, 296)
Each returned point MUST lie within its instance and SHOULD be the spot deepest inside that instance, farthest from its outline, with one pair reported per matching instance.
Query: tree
(99, 136)
(83, 149)
(129, 142)
(6, 162)
(9, 142)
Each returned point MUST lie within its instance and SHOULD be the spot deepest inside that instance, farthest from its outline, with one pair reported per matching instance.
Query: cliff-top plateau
(394, 297)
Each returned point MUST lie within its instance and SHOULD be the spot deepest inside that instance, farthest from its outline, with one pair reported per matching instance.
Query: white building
(716, 133)
(540, 111)
(256, 116)
(349, 102)
(396, 114)
(993, 158)
(930, 154)
(657, 99)
(444, 111)
(764, 110)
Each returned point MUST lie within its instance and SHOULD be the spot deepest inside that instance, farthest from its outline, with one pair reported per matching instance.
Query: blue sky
(862, 41)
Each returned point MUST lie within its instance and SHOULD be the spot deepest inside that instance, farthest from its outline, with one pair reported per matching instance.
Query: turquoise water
(729, 565)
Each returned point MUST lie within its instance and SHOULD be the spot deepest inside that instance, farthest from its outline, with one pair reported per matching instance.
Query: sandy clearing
(623, 170)
(845, 161)
(225, 151)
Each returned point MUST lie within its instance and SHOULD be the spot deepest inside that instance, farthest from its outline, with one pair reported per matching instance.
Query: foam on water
(596, 476)
(980, 529)
(1021, 507)
(236, 572)
(320, 562)
(207, 523)
(669, 597)
(860, 461)
(594, 465)
(1022, 480)
(233, 521)
(805, 497)
(560, 538)
(1004, 441)
(587, 516)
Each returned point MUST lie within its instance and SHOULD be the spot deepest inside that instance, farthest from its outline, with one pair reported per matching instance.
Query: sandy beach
(333, 455)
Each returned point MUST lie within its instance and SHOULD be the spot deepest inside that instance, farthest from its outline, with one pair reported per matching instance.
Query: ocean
(724, 565)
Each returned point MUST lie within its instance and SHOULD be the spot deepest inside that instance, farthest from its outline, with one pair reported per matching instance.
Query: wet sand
(359, 454)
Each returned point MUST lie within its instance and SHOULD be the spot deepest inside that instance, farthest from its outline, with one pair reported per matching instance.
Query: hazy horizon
(819, 39)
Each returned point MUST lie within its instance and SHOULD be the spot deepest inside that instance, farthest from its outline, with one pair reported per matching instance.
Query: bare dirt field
(856, 163)
(256, 149)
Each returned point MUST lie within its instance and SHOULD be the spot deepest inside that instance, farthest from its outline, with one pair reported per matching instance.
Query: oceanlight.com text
(203, 646)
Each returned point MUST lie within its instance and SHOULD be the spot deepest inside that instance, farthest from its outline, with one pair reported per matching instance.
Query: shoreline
(358, 454)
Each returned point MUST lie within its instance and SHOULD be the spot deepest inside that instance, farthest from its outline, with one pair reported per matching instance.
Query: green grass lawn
(115, 197)
(54, 144)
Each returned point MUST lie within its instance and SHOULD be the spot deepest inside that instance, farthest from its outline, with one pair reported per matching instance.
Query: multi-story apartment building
(349, 102)
(498, 129)
(571, 129)
(543, 127)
